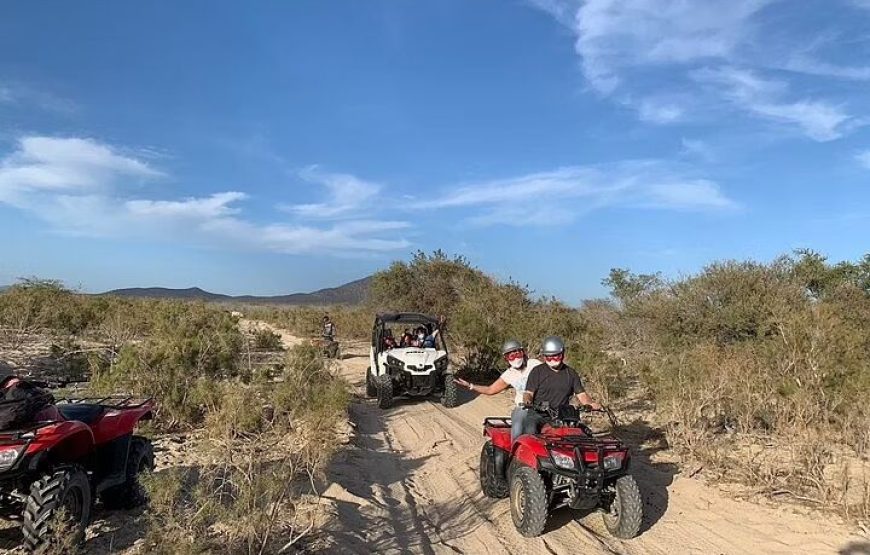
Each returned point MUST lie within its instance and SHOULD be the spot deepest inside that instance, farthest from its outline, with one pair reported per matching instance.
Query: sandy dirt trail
(408, 483)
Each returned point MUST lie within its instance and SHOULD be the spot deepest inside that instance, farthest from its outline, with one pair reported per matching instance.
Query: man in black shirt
(553, 382)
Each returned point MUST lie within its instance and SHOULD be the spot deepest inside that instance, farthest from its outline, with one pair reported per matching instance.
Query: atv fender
(66, 441)
(527, 450)
(499, 459)
(116, 423)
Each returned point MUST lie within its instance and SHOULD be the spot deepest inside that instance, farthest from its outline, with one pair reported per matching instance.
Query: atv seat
(83, 412)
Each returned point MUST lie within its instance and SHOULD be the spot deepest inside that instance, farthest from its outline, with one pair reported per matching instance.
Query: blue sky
(288, 146)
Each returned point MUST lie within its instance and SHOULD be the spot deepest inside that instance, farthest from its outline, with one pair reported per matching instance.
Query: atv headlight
(393, 361)
(441, 363)
(8, 457)
(612, 462)
(563, 461)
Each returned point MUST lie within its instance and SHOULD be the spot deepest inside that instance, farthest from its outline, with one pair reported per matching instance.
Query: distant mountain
(354, 292)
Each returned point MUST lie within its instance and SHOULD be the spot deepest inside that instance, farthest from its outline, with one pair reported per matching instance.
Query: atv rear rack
(497, 422)
(110, 402)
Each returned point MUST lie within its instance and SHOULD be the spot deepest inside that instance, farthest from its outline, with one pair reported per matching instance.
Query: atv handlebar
(544, 408)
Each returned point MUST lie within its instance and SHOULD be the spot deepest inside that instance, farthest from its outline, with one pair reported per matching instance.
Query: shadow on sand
(382, 509)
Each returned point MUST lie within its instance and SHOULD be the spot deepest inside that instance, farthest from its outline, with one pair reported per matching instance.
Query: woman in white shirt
(515, 376)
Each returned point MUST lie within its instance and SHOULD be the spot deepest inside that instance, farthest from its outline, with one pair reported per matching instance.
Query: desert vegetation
(262, 432)
(759, 373)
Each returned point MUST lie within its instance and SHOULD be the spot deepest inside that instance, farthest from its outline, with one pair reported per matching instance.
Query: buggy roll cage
(410, 318)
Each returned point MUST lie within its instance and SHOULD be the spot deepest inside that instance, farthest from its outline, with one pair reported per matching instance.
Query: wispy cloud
(639, 52)
(18, 94)
(616, 35)
(819, 120)
(561, 195)
(84, 187)
(698, 149)
(659, 111)
(863, 158)
(347, 195)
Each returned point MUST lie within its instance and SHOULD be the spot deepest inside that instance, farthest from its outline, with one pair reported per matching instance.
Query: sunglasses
(513, 355)
(558, 356)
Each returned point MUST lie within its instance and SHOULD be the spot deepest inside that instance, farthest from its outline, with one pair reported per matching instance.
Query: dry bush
(190, 348)
(264, 338)
(750, 354)
(268, 443)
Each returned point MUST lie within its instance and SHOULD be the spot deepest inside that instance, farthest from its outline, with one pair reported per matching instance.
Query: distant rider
(328, 329)
(554, 383)
(519, 366)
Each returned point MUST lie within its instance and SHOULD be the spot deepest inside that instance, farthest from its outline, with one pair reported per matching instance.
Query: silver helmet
(510, 346)
(552, 346)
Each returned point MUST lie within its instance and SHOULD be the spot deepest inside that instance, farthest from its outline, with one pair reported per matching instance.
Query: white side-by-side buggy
(406, 370)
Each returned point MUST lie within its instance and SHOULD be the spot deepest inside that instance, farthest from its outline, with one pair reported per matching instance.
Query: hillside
(351, 293)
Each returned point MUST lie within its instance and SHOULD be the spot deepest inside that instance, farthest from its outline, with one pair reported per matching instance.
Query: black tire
(371, 389)
(491, 483)
(131, 494)
(528, 501)
(450, 398)
(384, 385)
(63, 488)
(625, 514)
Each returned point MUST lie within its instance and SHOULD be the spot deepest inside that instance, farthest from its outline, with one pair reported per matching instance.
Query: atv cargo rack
(111, 402)
(496, 422)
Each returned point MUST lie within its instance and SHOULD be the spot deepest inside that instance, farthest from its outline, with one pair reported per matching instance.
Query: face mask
(554, 363)
(420, 336)
(516, 364)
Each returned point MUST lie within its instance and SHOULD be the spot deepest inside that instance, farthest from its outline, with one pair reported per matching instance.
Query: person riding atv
(519, 366)
(553, 383)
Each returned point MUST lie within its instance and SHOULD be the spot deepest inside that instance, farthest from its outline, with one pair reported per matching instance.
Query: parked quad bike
(566, 464)
(55, 469)
(329, 348)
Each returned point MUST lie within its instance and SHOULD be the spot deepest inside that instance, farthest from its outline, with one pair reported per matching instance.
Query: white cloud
(83, 187)
(863, 158)
(347, 195)
(818, 120)
(67, 164)
(616, 35)
(655, 111)
(559, 196)
(638, 52)
(696, 194)
(214, 206)
(809, 66)
(563, 182)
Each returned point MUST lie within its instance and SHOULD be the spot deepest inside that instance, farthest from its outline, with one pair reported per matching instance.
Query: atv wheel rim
(518, 500)
(73, 504)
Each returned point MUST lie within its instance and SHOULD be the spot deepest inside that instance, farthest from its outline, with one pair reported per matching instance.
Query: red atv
(58, 466)
(566, 464)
